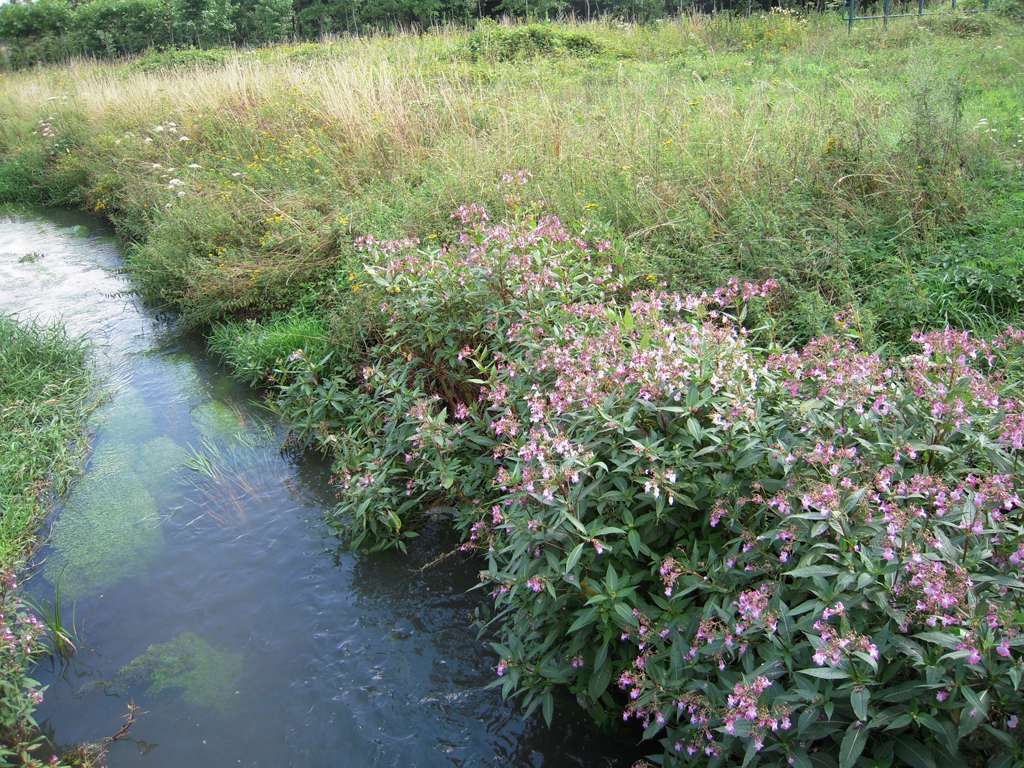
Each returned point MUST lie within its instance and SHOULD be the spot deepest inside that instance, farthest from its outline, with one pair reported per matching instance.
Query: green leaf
(574, 557)
(752, 750)
(900, 721)
(599, 681)
(969, 722)
(626, 613)
(860, 699)
(808, 571)
(750, 460)
(945, 639)
(693, 427)
(634, 541)
(930, 723)
(980, 704)
(853, 744)
(548, 707)
(587, 617)
(914, 753)
(825, 673)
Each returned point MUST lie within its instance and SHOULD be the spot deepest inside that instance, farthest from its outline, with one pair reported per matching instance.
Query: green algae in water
(108, 531)
(183, 373)
(129, 419)
(158, 456)
(219, 423)
(199, 673)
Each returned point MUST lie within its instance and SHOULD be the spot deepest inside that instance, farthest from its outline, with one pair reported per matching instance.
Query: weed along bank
(591, 393)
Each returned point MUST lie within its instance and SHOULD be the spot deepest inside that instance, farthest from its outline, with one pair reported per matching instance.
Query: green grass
(854, 169)
(46, 389)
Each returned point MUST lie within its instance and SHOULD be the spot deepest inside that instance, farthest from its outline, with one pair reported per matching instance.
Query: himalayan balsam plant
(760, 556)
(21, 644)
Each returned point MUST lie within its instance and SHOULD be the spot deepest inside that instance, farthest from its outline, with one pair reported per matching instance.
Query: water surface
(207, 589)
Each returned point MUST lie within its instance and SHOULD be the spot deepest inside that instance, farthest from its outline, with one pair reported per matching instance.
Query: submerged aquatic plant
(225, 478)
(51, 615)
(200, 673)
(219, 422)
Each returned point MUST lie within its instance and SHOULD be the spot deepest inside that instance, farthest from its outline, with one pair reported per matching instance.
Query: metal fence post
(885, 18)
(853, 4)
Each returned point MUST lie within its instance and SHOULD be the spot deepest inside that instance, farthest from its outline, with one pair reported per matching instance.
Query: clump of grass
(46, 388)
(255, 349)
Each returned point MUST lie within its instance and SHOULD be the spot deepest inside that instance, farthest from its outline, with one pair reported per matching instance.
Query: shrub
(763, 556)
(489, 41)
(183, 58)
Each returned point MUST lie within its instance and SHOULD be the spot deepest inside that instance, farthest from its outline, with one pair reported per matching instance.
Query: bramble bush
(762, 556)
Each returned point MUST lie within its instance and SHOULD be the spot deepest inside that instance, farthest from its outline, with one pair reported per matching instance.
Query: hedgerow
(762, 556)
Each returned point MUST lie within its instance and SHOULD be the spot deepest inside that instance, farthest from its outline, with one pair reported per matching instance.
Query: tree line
(34, 31)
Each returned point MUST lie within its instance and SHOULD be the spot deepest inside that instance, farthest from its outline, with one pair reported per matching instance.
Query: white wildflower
(184, 138)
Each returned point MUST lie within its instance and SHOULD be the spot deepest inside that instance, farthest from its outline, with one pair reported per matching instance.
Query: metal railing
(851, 10)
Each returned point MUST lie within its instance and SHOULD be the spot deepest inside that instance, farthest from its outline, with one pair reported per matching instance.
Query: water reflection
(212, 595)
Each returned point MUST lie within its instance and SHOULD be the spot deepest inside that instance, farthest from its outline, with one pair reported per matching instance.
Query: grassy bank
(881, 170)
(45, 391)
(45, 386)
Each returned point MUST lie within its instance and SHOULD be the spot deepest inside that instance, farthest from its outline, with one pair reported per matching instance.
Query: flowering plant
(762, 556)
(21, 644)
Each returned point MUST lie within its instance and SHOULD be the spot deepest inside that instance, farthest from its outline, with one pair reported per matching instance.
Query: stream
(206, 588)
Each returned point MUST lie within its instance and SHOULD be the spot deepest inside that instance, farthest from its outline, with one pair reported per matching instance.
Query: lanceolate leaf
(853, 744)
(914, 753)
